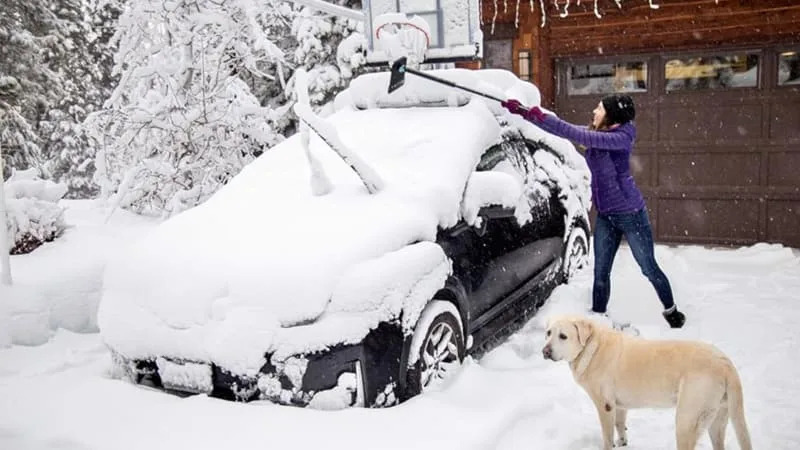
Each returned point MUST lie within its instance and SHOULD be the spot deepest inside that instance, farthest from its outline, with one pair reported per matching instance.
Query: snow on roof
(230, 279)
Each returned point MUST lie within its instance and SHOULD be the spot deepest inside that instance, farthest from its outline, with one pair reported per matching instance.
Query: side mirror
(490, 195)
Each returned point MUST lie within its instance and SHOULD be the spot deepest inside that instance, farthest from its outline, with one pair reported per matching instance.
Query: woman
(620, 205)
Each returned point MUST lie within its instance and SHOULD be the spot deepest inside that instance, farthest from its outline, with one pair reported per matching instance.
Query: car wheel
(437, 348)
(576, 252)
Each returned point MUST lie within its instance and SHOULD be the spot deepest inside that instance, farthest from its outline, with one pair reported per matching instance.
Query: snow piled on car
(267, 266)
(564, 168)
(223, 281)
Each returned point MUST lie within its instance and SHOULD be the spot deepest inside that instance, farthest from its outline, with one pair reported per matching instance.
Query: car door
(499, 258)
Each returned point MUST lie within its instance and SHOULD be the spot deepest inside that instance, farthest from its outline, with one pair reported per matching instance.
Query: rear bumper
(363, 374)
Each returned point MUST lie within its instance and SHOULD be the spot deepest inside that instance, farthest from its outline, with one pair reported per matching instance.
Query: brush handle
(451, 84)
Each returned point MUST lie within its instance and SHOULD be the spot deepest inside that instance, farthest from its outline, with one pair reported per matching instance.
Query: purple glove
(535, 114)
(515, 107)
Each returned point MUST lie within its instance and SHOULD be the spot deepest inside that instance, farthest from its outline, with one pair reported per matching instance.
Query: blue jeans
(608, 232)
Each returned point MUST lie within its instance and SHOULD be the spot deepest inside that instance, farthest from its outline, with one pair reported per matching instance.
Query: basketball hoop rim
(424, 33)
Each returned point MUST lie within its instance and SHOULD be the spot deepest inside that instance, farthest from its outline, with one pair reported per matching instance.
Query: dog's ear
(585, 328)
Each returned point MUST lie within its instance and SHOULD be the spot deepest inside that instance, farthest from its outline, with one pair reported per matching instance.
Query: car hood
(264, 253)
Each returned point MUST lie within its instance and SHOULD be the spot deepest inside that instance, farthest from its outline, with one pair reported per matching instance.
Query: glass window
(587, 79)
(433, 23)
(789, 69)
(511, 156)
(417, 5)
(711, 72)
(524, 60)
(428, 10)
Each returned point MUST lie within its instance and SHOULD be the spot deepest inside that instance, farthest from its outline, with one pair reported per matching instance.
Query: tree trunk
(5, 260)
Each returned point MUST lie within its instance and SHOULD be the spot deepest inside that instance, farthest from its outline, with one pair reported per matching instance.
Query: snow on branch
(332, 9)
(34, 216)
(184, 118)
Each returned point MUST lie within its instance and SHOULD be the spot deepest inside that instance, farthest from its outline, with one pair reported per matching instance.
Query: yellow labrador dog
(620, 372)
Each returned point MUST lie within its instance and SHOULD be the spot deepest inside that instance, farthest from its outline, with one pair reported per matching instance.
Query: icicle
(494, 18)
(653, 6)
(480, 12)
(566, 10)
(516, 15)
(541, 9)
(505, 6)
(596, 11)
(619, 3)
(530, 2)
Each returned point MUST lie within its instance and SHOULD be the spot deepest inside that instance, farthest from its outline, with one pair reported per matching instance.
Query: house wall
(675, 25)
(717, 165)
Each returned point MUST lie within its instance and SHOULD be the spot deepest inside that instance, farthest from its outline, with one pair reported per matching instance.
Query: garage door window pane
(586, 79)
(711, 72)
(789, 69)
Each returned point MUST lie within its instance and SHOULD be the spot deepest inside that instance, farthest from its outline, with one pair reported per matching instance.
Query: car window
(512, 154)
(518, 157)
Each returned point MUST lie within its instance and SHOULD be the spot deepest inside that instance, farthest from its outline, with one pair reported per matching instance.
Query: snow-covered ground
(58, 285)
(59, 395)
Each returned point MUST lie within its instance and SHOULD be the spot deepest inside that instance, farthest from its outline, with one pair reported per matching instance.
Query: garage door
(718, 148)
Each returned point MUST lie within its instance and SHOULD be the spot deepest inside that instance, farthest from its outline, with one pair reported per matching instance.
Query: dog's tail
(736, 410)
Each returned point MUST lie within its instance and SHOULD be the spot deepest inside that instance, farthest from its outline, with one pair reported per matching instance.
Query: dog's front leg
(622, 430)
(607, 413)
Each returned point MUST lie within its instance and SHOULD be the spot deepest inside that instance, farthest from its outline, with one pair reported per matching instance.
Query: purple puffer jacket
(608, 157)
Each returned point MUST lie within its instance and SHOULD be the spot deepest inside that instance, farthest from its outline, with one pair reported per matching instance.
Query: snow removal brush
(398, 78)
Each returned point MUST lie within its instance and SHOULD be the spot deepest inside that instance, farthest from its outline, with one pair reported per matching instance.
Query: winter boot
(675, 318)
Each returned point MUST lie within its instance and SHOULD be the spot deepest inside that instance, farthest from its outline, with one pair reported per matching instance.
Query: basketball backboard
(453, 25)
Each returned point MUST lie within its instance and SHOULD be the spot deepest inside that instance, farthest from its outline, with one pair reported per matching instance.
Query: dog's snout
(547, 352)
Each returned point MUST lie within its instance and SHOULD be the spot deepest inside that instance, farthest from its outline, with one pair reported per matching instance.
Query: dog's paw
(621, 442)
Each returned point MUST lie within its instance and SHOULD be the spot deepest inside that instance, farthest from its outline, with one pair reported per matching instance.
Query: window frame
(628, 59)
(438, 39)
(780, 50)
(665, 58)
(527, 74)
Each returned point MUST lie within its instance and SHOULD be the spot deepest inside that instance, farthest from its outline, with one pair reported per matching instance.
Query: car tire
(437, 348)
(576, 252)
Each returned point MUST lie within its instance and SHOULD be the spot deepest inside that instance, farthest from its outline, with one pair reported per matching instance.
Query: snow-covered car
(306, 282)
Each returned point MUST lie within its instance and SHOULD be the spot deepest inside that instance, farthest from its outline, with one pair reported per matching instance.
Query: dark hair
(619, 109)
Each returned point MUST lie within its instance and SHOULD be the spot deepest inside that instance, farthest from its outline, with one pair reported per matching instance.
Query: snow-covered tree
(28, 30)
(51, 57)
(270, 90)
(87, 80)
(34, 216)
(32, 32)
(330, 49)
(17, 138)
(182, 120)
